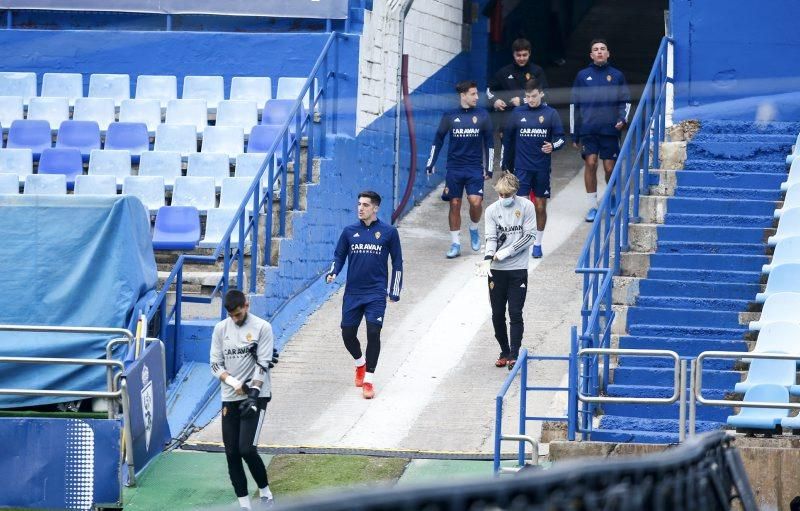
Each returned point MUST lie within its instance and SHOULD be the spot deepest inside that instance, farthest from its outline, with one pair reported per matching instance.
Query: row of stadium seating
(159, 87)
(243, 114)
(778, 327)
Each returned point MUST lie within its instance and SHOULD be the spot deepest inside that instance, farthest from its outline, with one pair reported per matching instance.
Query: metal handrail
(499, 399)
(635, 353)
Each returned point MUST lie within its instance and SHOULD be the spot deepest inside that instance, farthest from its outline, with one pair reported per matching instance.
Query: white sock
(539, 236)
(245, 502)
(455, 237)
(591, 198)
(265, 492)
(369, 377)
(473, 226)
(361, 361)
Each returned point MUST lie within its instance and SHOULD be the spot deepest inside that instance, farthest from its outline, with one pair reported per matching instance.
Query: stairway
(695, 260)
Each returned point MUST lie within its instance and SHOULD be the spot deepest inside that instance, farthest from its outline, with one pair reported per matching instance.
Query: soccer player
(533, 132)
(367, 246)
(469, 162)
(506, 89)
(510, 228)
(601, 103)
(242, 353)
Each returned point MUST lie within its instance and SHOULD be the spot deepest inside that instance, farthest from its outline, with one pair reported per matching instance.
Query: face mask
(507, 201)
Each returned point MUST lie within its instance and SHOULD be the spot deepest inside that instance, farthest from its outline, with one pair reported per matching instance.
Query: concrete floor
(436, 381)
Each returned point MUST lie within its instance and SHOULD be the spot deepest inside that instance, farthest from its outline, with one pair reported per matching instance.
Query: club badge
(474, 119)
(527, 76)
(608, 78)
(377, 235)
(249, 337)
(491, 284)
(541, 119)
(517, 213)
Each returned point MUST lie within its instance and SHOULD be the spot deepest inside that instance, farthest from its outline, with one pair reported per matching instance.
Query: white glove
(233, 382)
(502, 253)
(483, 268)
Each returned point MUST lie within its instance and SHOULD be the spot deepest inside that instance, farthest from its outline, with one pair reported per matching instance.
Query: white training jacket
(230, 351)
(513, 228)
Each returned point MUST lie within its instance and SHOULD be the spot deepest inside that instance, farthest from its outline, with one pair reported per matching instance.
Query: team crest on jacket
(249, 337)
(541, 119)
(517, 213)
(377, 235)
(491, 284)
(527, 76)
(608, 78)
(474, 119)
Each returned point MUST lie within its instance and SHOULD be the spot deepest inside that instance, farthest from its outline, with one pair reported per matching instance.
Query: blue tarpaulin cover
(69, 261)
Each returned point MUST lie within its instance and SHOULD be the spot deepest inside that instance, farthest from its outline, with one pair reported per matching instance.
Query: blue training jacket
(600, 99)
(367, 250)
(527, 130)
(471, 140)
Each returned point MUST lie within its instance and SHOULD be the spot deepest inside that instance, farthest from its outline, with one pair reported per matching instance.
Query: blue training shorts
(536, 180)
(455, 181)
(606, 147)
(355, 307)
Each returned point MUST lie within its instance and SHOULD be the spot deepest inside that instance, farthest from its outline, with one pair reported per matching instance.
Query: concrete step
(683, 346)
(731, 232)
(758, 138)
(660, 411)
(665, 377)
(766, 194)
(722, 262)
(703, 247)
(682, 317)
(713, 165)
(685, 288)
(726, 179)
(710, 332)
(741, 206)
(754, 127)
(715, 221)
(734, 149)
(697, 275)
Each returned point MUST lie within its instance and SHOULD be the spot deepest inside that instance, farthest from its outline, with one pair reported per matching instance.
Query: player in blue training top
(367, 245)
(601, 102)
(469, 162)
(531, 135)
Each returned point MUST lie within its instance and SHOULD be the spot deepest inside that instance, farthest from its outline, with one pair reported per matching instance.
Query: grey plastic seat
(794, 175)
(11, 109)
(100, 110)
(243, 114)
(148, 189)
(188, 111)
(18, 84)
(211, 89)
(289, 88)
(162, 88)
(46, 184)
(779, 307)
(228, 140)
(53, 110)
(216, 165)
(9, 184)
(791, 200)
(786, 251)
(95, 185)
(233, 193)
(217, 222)
(63, 85)
(782, 278)
(111, 162)
(762, 418)
(195, 191)
(252, 88)
(788, 226)
(181, 138)
(16, 161)
(147, 111)
(114, 86)
(166, 164)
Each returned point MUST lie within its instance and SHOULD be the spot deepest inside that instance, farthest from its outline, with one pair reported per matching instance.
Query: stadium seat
(217, 222)
(188, 111)
(176, 228)
(289, 88)
(794, 175)
(180, 137)
(18, 84)
(277, 111)
(114, 86)
(787, 251)
(34, 135)
(792, 423)
(62, 160)
(9, 184)
(778, 307)
(162, 88)
(16, 161)
(81, 135)
(233, 193)
(211, 89)
(779, 336)
(788, 226)
(11, 109)
(791, 200)
(148, 189)
(795, 151)
(116, 163)
(166, 164)
(194, 191)
(99, 110)
(248, 165)
(45, 184)
(783, 277)
(63, 85)
(52, 110)
(227, 140)
(252, 88)
(216, 165)
(762, 418)
(147, 111)
(778, 372)
(263, 136)
(243, 114)
(128, 135)
(95, 185)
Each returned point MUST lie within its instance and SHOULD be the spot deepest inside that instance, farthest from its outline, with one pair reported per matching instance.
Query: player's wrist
(233, 381)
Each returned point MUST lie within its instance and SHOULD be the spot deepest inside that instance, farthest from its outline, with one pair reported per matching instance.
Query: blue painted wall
(733, 49)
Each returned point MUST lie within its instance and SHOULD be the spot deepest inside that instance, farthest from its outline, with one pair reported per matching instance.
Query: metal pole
(572, 393)
(498, 427)
(692, 401)
(399, 101)
(682, 403)
(523, 402)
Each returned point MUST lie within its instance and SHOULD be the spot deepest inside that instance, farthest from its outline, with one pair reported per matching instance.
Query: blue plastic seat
(210, 89)
(228, 140)
(193, 112)
(195, 191)
(53, 110)
(795, 151)
(159, 87)
(16, 161)
(263, 136)
(782, 278)
(779, 336)
(114, 86)
(180, 138)
(110, 162)
(176, 228)
(147, 111)
(63, 85)
(34, 135)
(276, 111)
(791, 200)
(148, 189)
(778, 372)
(95, 185)
(243, 114)
(778, 307)
(216, 165)
(786, 251)
(81, 135)
(167, 164)
(233, 193)
(762, 418)
(217, 222)
(248, 165)
(794, 175)
(289, 88)
(252, 88)
(9, 184)
(67, 161)
(100, 110)
(18, 84)
(792, 423)
(45, 184)
(131, 136)
(11, 109)
(789, 225)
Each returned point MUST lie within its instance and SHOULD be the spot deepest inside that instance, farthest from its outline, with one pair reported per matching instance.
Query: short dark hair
(372, 196)
(234, 299)
(464, 86)
(532, 85)
(521, 45)
(595, 41)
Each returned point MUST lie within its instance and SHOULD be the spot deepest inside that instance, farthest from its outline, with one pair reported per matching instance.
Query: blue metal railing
(287, 144)
(599, 261)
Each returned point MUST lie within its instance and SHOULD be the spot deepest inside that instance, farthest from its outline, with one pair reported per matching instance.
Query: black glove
(274, 360)
(249, 407)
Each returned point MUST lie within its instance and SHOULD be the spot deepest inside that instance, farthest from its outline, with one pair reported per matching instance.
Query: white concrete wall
(432, 39)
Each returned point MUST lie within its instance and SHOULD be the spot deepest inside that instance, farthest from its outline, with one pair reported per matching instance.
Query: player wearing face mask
(510, 227)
